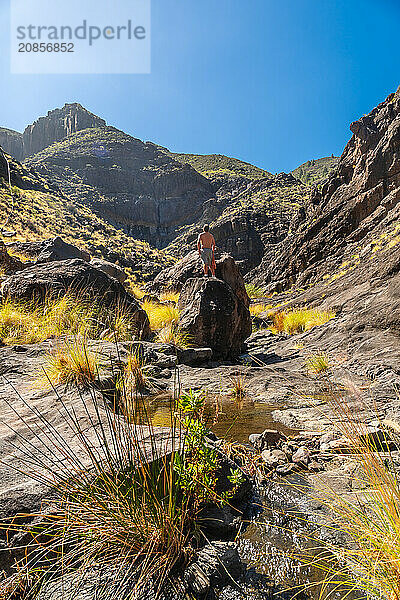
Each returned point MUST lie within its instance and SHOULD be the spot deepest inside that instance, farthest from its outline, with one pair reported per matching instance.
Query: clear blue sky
(271, 82)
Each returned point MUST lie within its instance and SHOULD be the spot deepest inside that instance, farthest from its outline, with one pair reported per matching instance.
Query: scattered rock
(269, 438)
(56, 249)
(286, 468)
(301, 456)
(341, 445)
(315, 466)
(273, 458)
(216, 565)
(327, 437)
(110, 269)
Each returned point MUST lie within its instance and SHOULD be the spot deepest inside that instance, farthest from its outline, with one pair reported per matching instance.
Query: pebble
(302, 455)
(273, 458)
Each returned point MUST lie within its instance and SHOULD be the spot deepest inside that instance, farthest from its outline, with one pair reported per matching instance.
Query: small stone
(301, 456)
(327, 437)
(341, 445)
(286, 468)
(287, 450)
(253, 437)
(269, 438)
(273, 458)
(315, 466)
(165, 374)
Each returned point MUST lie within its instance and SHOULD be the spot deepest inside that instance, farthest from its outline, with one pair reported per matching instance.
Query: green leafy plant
(196, 466)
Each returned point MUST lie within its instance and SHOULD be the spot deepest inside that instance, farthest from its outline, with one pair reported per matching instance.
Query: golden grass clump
(30, 323)
(70, 363)
(172, 334)
(133, 378)
(116, 504)
(136, 290)
(160, 315)
(318, 363)
(170, 296)
(239, 387)
(297, 321)
(122, 503)
(257, 309)
(20, 324)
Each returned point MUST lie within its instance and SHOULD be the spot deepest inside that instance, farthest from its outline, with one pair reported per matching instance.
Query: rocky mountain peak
(56, 125)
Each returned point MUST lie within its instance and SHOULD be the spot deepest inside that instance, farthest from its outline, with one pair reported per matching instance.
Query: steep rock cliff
(12, 142)
(355, 211)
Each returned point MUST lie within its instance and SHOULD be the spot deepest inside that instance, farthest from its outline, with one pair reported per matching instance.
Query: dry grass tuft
(257, 309)
(133, 378)
(30, 323)
(239, 387)
(254, 291)
(71, 363)
(318, 363)
(297, 321)
(161, 315)
(172, 334)
(136, 290)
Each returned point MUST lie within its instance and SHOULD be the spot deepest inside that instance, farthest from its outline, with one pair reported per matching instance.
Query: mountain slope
(131, 184)
(41, 211)
(214, 165)
(162, 197)
(250, 221)
(12, 142)
(316, 171)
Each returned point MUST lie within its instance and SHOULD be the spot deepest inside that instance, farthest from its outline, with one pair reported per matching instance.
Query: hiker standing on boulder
(206, 248)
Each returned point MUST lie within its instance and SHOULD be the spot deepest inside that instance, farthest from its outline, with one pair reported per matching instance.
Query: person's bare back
(207, 240)
(206, 247)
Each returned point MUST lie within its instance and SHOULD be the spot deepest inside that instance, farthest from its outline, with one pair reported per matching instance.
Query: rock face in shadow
(56, 278)
(12, 142)
(358, 204)
(9, 264)
(191, 266)
(214, 316)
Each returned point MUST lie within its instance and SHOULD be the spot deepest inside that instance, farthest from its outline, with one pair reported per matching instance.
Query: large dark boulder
(57, 277)
(214, 316)
(57, 249)
(190, 266)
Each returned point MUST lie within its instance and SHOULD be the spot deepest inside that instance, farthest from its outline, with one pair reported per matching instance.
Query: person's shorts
(206, 256)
